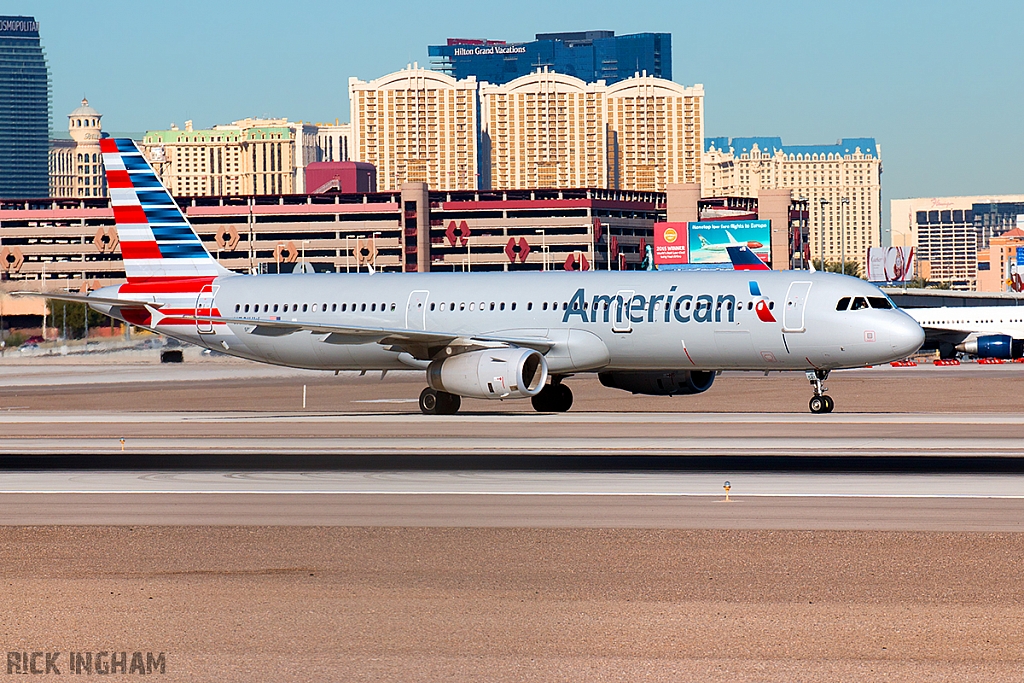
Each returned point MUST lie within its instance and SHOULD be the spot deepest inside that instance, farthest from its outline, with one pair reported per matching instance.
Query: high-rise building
(950, 233)
(588, 55)
(544, 129)
(251, 156)
(76, 165)
(416, 125)
(24, 110)
(842, 183)
(656, 133)
(332, 141)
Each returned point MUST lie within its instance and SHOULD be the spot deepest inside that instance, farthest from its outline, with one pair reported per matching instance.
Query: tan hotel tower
(416, 125)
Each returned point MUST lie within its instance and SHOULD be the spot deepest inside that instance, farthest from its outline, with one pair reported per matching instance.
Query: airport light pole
(821, 240)
(543, 248)
(843, 203)
(374, 246)
(803, 264)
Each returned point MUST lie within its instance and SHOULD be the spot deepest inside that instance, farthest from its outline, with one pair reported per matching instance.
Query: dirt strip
(417, 604)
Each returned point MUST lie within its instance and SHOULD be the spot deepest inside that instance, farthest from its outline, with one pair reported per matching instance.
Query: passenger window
(373, 307)
(771, 305)
(472, 306)
(362, 307)
(462, 306)
(443, 305)
(750, 305)
(392, 307)
(323, 308)
(843, 304)
(492, 305)
(513, 305)
(334, 307)
(545, 306)
(431, 306)
(859, 303)
(275, 308)
(344, 307)
(247, 308)
(305, 307)
(314, 308)
(880, 302)
(238, 307)
(565, 306)
(295, 307)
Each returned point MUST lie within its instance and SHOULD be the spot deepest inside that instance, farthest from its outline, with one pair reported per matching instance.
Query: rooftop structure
(588, 55)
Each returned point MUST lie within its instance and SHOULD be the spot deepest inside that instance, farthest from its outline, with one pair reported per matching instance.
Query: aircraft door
(621, 321)
(796, 302)
(204, 306)
(416, 310)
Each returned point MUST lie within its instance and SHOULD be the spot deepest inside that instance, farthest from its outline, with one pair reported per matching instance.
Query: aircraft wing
(86, 299)
(420, 344)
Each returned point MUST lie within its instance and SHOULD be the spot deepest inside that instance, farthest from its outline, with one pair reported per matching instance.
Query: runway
(310, 440)
(516, 499)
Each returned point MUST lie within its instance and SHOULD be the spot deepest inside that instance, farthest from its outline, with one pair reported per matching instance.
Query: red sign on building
(670, 244)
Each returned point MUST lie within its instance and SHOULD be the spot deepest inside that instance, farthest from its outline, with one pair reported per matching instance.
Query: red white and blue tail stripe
(744, 259)
(157, 241)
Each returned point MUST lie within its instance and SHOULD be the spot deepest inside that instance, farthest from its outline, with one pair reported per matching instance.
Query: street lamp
(842, 233)
(543, 247)
(821, 240)
(374, 246)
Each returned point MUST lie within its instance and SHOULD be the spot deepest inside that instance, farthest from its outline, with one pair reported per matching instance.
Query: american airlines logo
(671, 307)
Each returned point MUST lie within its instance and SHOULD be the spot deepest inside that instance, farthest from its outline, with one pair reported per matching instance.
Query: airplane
(489, 335)
(723, 246)
(980, 331)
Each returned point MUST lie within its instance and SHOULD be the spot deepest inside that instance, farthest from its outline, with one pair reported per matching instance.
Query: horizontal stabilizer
(87, 299)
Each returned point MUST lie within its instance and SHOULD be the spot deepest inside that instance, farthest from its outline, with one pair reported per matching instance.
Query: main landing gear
(433, 402)
(820, 403)
(553, 398)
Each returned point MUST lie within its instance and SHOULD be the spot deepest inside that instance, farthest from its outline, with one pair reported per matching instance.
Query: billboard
(890, 264)
(708, 240)
(1015, 278)
(670, 245)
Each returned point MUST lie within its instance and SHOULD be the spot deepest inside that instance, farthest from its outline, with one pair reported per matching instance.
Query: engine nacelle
(672, 383)
(989, 346)
(490, 373)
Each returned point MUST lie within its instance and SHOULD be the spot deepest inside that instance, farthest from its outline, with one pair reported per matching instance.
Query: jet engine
(993, 346)
(490, 373)
(660, 383)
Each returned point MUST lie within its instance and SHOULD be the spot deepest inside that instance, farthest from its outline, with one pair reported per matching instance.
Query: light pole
(802, 224)
(543, 248)
(304, 243)
(842, 232)
(821, 240)
(374, 246)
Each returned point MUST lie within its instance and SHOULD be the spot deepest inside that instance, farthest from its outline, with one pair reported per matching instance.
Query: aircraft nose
(906, 336)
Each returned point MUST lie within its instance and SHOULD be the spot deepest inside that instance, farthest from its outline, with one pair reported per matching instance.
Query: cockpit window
(879, 302)
(843, 304)
(859, 302)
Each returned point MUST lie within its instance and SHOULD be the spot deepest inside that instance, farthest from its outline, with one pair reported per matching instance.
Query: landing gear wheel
(553, 398)
(428, 401)
(434, 402)
(820, 403)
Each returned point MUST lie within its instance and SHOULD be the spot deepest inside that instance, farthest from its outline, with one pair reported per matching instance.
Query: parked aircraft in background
(981, 331)
(491, 335)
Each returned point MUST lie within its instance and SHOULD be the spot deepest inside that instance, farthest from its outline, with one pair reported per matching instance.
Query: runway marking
(386, 400)
(518, 494)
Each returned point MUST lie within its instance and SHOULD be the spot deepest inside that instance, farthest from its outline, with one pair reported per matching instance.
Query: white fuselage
(619, 320)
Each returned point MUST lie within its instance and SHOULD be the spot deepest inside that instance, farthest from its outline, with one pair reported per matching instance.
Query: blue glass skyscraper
(24, 110)
(588, 55)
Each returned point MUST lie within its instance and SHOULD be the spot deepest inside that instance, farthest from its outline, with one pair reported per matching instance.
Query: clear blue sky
(940, 85)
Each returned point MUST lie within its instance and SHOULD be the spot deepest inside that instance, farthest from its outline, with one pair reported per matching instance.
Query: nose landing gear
(820, 403)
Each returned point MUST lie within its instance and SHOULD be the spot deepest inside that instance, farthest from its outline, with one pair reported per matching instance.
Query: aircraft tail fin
(744, 259)
(157, 241)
